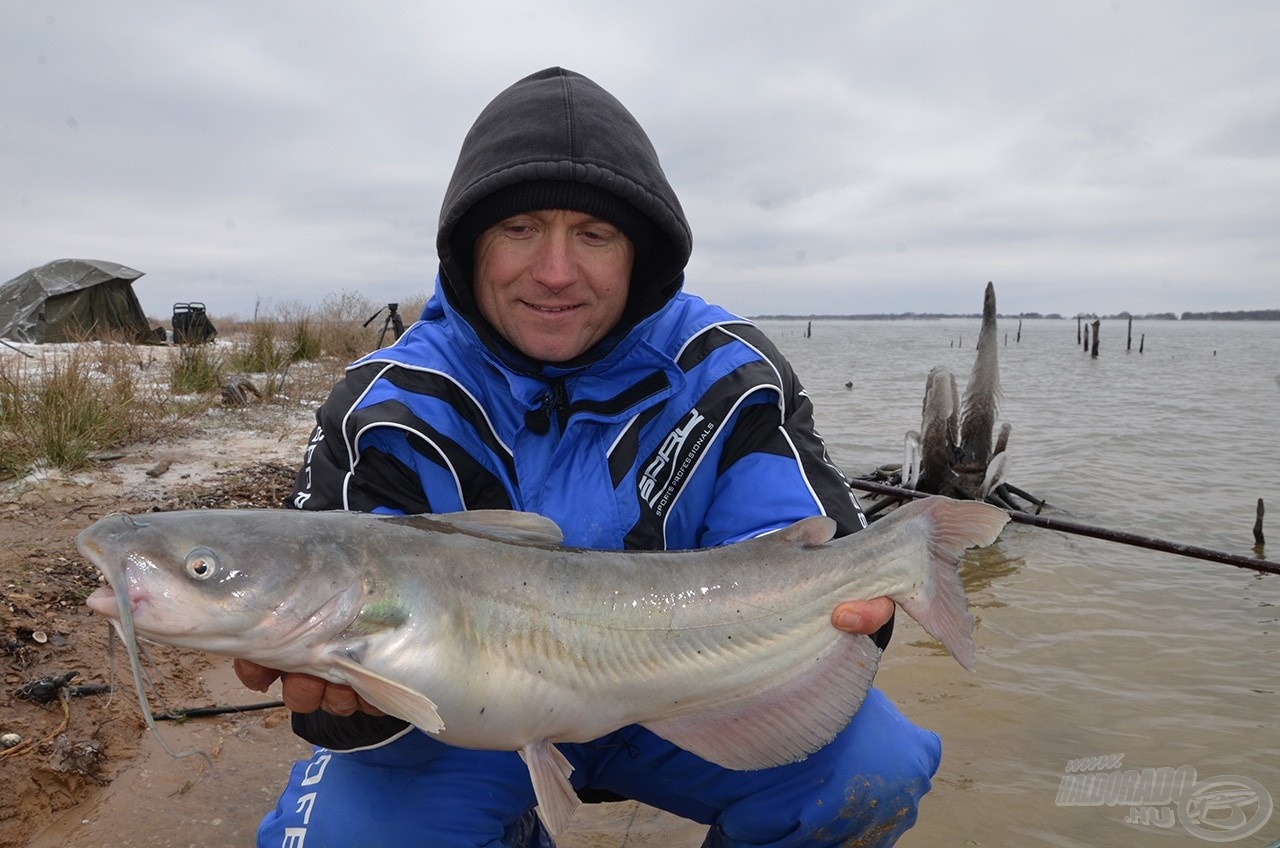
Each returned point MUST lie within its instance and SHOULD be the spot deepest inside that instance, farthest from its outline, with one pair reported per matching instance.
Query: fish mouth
(103, 600)
(107, 600)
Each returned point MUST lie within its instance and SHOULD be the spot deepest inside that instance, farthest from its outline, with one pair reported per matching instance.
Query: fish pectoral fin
(785, 722)
(391, 697)
(549, 770)
(505, 525)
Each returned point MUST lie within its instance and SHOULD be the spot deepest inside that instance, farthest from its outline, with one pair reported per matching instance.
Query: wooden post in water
(1142, 342)
(1018, 340)
(1128, 344)
(1097, 323)
(1085, 346)
(1077, 329)
(1258, 540)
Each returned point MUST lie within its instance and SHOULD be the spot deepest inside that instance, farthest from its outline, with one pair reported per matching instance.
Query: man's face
(552, 282)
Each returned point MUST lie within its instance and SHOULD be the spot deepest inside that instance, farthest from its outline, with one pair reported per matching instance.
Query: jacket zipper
(554, 407)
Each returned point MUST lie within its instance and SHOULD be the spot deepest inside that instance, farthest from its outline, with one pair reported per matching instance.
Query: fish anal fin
(392, 697)
(503, 524)
(549, 770)
(785, 722)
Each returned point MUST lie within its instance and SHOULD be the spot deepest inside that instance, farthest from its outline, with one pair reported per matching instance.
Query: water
(1087, 648)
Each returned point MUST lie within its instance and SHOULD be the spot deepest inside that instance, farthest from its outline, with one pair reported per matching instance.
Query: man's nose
(553, 265)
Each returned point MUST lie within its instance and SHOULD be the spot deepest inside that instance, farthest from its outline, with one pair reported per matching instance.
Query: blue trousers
(863, 788)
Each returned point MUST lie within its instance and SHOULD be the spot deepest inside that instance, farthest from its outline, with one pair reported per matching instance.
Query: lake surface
(1089, 648)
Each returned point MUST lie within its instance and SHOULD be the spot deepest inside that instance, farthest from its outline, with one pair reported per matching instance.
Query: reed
(79, 400)
(196, 369)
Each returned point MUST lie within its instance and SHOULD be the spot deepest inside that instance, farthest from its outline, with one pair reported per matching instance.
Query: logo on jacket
(665, 473)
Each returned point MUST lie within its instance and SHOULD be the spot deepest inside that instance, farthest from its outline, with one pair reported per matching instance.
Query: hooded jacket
(557, 125)
(684, 428)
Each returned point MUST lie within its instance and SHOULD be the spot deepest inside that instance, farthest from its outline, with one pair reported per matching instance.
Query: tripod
(392, 323)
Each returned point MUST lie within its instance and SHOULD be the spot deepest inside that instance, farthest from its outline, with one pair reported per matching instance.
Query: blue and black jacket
(692, 432)
(684, 428)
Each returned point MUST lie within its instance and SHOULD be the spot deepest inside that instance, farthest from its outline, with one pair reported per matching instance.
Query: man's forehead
(569, 215)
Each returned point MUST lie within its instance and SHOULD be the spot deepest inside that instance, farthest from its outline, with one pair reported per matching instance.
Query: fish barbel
(481, 628)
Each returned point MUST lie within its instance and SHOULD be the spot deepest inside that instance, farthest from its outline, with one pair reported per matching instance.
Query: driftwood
(954, 454)
(959, 451)
(237, 390)
(1106, 534)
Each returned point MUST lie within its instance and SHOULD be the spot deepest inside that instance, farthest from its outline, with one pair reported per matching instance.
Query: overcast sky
(833, 157)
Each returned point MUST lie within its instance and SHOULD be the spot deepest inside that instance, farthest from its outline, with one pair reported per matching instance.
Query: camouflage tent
(73, 300)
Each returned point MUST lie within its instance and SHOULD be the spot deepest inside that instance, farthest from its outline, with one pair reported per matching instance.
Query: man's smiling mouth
(549, 309)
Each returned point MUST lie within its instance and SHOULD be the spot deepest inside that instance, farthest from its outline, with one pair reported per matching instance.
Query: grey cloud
(1097, 155)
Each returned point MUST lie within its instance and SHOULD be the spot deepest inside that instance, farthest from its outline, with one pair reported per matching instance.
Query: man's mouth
(550, 310)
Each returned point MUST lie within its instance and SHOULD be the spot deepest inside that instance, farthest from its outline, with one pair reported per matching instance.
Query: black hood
(557, 125)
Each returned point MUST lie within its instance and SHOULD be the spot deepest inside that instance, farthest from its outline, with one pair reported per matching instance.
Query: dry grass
(61, 408)
(72, 401)
(196, 369)
(339, 326)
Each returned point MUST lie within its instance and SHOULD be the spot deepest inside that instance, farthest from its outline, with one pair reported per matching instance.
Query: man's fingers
(339, 700)
(254, 676)
(862, 617)
(303, 693)
(366, 707)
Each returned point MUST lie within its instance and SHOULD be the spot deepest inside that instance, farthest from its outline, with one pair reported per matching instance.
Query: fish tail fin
(939, 603)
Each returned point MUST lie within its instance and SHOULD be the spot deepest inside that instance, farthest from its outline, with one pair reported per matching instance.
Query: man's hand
(304, 693)
(862, 617)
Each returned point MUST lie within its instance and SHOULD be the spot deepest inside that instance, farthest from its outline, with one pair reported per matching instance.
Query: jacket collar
(621, 379)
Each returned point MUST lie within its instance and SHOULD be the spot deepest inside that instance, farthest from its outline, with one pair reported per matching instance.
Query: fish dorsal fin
(808, 532)
(521, 528)
(392, 697)
(785, 721)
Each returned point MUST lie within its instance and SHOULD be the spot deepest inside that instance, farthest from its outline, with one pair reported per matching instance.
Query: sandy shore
(93, 776)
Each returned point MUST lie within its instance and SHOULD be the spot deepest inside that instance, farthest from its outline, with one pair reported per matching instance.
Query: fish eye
(201, 564)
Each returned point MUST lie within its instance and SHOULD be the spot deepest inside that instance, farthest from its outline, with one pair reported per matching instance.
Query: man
(560, 369)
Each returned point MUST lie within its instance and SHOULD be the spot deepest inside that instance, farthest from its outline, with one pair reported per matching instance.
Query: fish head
(224, 581)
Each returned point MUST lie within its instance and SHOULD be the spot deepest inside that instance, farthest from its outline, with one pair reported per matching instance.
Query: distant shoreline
(1239, 315)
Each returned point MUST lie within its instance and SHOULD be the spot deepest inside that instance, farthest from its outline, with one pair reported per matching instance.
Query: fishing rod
(204, 712)
(1106, 534)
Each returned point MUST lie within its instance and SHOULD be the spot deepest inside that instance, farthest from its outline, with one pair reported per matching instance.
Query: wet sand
(161, 802)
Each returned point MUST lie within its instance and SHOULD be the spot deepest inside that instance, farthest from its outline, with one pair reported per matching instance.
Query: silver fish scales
(482, 628)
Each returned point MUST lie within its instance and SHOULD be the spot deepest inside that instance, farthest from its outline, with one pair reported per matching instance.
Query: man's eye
(519, 233)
